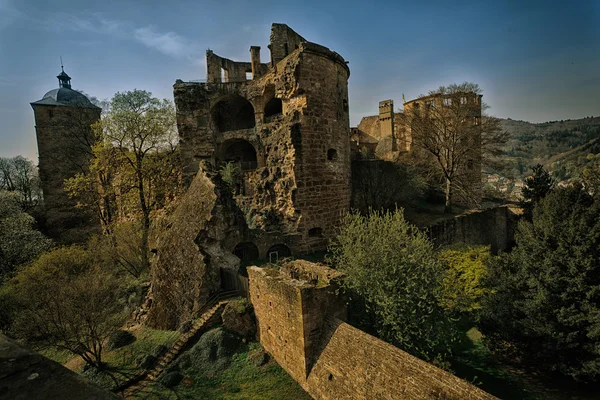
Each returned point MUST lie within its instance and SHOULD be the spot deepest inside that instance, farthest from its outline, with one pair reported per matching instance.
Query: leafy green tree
(544, 303)
(466, 267)
(536, 187)
(391, 266)
(65, 301)
(20, 242)
(135, 169)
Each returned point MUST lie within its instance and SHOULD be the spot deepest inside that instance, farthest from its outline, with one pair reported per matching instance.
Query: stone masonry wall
(64, 138)
(494, 227)
(299, 322)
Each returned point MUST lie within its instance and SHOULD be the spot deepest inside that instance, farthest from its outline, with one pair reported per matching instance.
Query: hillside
(564, 147)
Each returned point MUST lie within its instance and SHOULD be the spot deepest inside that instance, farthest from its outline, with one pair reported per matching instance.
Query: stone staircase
(211, 310)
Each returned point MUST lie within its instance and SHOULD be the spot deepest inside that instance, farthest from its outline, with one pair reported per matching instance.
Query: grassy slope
(242, 380)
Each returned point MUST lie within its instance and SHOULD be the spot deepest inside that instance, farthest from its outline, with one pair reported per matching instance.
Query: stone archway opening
(277, 252)
(233, 113)
(273, 109)
(239, 152)
(247, 252)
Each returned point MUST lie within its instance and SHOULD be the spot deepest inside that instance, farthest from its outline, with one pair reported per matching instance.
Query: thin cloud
(168, 43)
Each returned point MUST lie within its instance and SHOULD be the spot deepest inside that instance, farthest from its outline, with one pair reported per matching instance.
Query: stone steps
(153, 374)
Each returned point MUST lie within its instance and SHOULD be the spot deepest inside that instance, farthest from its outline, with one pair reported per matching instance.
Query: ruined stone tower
(284, 125)
(64, 138)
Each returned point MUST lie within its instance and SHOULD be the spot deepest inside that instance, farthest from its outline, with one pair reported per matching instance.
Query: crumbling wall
(283, 41)
(299, 320)
(494, 227)
(188, 254)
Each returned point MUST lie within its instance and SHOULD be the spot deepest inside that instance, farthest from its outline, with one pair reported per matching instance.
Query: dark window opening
(330, 377)
(232, 114)
(345, 102)
(332, 154)
(246, 251)
(50, 114)
(239, 152)
(273, 108)
(470, 164)
(277, 252)
(315, 232)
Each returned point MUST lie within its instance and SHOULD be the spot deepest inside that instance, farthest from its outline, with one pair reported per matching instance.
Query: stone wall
(64, 138)
(299, 317)
(493, 226)
(288, 132)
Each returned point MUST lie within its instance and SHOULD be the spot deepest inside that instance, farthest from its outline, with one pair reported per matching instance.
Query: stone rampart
(299, 315)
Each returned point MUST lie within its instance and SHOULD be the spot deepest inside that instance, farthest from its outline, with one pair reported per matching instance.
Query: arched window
(278, 251)
(240, 152)
(246, 252)
(233, 113)
(273, 108)
(332, 154)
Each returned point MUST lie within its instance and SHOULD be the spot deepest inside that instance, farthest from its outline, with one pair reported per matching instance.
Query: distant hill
(563, 147)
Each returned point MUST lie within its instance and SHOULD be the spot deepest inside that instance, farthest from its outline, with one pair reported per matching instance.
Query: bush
(213, 352)
(171, 379)
(391, 267)
(544, 304)
(147, 362)
(465, 267)
(119, 339)
(185, 327)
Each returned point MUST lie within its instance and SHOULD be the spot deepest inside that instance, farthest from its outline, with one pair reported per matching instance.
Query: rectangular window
(447, 102)
(248, 76)
(463, 100)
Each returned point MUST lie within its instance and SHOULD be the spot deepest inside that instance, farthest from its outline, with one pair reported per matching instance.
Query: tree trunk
(448, 204)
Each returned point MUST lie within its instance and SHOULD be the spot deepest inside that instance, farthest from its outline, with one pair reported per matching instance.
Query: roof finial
(61, 65)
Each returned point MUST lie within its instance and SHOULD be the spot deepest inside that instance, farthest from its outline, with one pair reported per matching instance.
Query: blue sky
(536, 61)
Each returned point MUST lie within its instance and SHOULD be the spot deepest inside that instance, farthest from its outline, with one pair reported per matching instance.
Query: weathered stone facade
(300, 324)
(286, 129)
(63, 119)
(390, 134)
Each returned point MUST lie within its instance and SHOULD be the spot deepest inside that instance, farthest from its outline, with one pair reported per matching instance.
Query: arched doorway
(277, 252)
(247, 252)
(239, 152)
(233, 113)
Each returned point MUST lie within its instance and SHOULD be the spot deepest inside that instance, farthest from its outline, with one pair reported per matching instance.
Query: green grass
(60, 356)
(146, 341)
(242, 380)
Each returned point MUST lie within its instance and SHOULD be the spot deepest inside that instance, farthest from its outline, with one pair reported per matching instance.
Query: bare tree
(20, 175)
(450, 127)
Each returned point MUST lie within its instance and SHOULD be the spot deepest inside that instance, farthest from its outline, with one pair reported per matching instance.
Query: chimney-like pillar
(255, 61)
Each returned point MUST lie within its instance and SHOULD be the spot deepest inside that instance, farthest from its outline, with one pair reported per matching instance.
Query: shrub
(213, 352)
(119, 339)
(171, 379)
(391, 267)
(465, 267)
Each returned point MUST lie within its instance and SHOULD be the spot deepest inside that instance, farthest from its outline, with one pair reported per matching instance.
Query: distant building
(63, 119)
(389, 134)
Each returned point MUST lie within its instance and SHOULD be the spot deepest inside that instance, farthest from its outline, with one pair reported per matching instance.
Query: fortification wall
(299, 318)
(494, 227)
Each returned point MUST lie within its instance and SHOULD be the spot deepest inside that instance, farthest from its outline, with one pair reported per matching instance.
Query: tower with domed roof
(63, 119)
